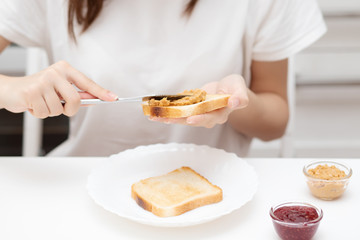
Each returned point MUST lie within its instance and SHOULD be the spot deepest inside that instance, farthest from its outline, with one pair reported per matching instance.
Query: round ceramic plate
(110, 183)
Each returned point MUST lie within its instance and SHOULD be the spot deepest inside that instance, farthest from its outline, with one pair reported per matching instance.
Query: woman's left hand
(232, 84)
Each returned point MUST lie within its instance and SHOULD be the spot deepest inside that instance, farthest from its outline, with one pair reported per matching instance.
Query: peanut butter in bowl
(327, 180)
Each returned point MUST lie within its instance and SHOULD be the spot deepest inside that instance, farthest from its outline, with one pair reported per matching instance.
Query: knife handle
(93, 101)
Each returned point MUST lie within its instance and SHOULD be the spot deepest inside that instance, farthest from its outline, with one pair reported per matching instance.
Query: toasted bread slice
(175, 193)
(212, 102)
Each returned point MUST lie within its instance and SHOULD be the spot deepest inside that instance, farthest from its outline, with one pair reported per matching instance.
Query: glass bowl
(296, 220)
(327, 186)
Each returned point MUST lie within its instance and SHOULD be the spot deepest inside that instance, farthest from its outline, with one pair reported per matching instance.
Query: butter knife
(131, 99)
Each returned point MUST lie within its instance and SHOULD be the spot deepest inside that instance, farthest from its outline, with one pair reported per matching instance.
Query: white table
(46, 198)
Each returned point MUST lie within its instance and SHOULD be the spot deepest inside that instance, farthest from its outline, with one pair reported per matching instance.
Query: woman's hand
(234, 85)
(41, 93)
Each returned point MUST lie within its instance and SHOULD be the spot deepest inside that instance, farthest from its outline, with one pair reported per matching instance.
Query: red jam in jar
(296, 214)
(296, 221)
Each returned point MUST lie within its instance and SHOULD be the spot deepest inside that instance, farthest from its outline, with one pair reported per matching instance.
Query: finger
(209, 119)
(202, 120)
(39, 108)
(210, 88)
(230, 84)
(84, 83)
(85, 95)
(53, 103)
(168, 120)
(236, 86)
(234, 102)
(71, 97)
(239, 99)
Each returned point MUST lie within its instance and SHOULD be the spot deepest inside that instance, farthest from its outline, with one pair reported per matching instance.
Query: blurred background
(326, 99)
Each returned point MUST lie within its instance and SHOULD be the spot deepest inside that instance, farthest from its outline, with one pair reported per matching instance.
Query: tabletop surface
(46, 198)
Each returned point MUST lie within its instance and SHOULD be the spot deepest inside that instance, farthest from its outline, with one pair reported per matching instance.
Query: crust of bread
(212, 195)
(212, 102)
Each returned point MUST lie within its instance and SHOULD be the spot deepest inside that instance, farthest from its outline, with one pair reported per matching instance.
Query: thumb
(234, 102)
(240, 99)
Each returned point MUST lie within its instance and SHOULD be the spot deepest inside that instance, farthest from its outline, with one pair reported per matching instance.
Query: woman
(139, 47)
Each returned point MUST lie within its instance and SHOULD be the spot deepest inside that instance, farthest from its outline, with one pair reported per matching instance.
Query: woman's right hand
(41, 93)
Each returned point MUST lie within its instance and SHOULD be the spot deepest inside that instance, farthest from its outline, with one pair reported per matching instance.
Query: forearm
(3, 90)
(3, 43)
(265, 117)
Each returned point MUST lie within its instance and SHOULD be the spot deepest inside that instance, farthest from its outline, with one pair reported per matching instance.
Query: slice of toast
(175, 193)
(212, 102)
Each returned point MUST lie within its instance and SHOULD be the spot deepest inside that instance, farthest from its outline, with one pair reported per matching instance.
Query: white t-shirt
(139, 47)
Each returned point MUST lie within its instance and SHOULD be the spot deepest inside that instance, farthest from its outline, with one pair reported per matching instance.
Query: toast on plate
(175, 193)
(211, 102)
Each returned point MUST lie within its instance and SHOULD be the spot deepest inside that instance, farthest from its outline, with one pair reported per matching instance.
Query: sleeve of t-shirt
(23, 22)
(287, 27)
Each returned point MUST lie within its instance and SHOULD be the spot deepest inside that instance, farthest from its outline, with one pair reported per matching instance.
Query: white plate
(110, 184)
